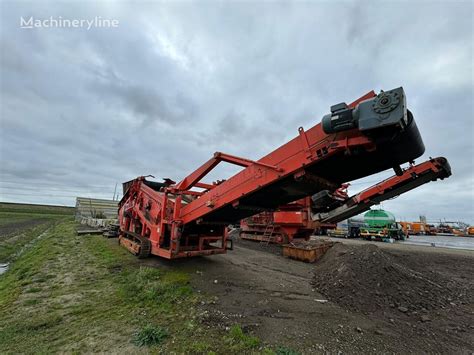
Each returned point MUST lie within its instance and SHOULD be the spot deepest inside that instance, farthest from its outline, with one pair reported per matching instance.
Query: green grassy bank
(69, 293)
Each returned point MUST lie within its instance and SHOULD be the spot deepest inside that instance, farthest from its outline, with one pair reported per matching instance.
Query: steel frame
(174, 218)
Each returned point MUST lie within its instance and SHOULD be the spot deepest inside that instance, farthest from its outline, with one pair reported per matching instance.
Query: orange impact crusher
(189, 218)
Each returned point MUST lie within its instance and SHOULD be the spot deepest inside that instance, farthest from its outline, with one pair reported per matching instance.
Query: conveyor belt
(335, 169)
(413, 177)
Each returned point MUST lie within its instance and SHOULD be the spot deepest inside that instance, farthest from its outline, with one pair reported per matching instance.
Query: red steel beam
(291, 158)
(193, 179)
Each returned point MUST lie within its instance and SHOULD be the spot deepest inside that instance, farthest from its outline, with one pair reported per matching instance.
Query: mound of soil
(367, 279)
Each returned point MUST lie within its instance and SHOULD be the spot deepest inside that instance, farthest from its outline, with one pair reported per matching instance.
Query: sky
(83, 109)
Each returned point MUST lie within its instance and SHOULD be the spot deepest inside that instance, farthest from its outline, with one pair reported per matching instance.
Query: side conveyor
(412, 177)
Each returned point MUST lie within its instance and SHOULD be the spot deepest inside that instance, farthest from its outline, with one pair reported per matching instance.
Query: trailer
(415, 228)
(349, 228)
(190, 218)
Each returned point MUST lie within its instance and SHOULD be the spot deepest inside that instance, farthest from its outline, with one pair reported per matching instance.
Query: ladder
(268, 234)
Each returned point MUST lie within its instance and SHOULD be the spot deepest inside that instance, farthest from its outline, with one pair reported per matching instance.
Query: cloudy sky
(83, 109)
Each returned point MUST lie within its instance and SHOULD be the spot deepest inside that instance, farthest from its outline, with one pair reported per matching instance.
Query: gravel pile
(367, 279)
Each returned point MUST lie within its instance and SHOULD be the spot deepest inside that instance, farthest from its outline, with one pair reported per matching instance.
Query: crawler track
(138, 245)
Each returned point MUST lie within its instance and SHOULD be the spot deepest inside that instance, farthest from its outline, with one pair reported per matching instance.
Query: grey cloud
(178, 81)
(144, 102)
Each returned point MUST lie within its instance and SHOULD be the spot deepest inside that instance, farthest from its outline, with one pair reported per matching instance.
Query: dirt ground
(17, 227)
(423, 301)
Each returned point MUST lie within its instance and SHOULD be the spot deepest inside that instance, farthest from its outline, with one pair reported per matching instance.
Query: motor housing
(387, 109)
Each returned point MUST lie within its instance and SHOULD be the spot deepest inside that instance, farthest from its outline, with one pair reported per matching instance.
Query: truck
(381, 225)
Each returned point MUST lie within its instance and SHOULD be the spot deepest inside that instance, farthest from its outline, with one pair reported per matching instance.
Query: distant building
(96, 208)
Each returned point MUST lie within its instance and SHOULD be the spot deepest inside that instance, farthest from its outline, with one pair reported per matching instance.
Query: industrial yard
(236, 177)
(277, 259)
(281, 300)
(360, 297)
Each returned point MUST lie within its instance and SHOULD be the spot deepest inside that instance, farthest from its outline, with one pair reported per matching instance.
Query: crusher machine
(190, 218)
(293, 220)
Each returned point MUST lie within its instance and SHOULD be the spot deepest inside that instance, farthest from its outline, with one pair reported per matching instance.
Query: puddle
(3, 268)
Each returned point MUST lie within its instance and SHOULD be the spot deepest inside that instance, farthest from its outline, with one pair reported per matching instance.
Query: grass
(282, 350)
(32, 209)
(20, 224)
(239, 341)
(69, 293)
(18, 229)
(151, 287)
(150, 335)
(7, 218)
